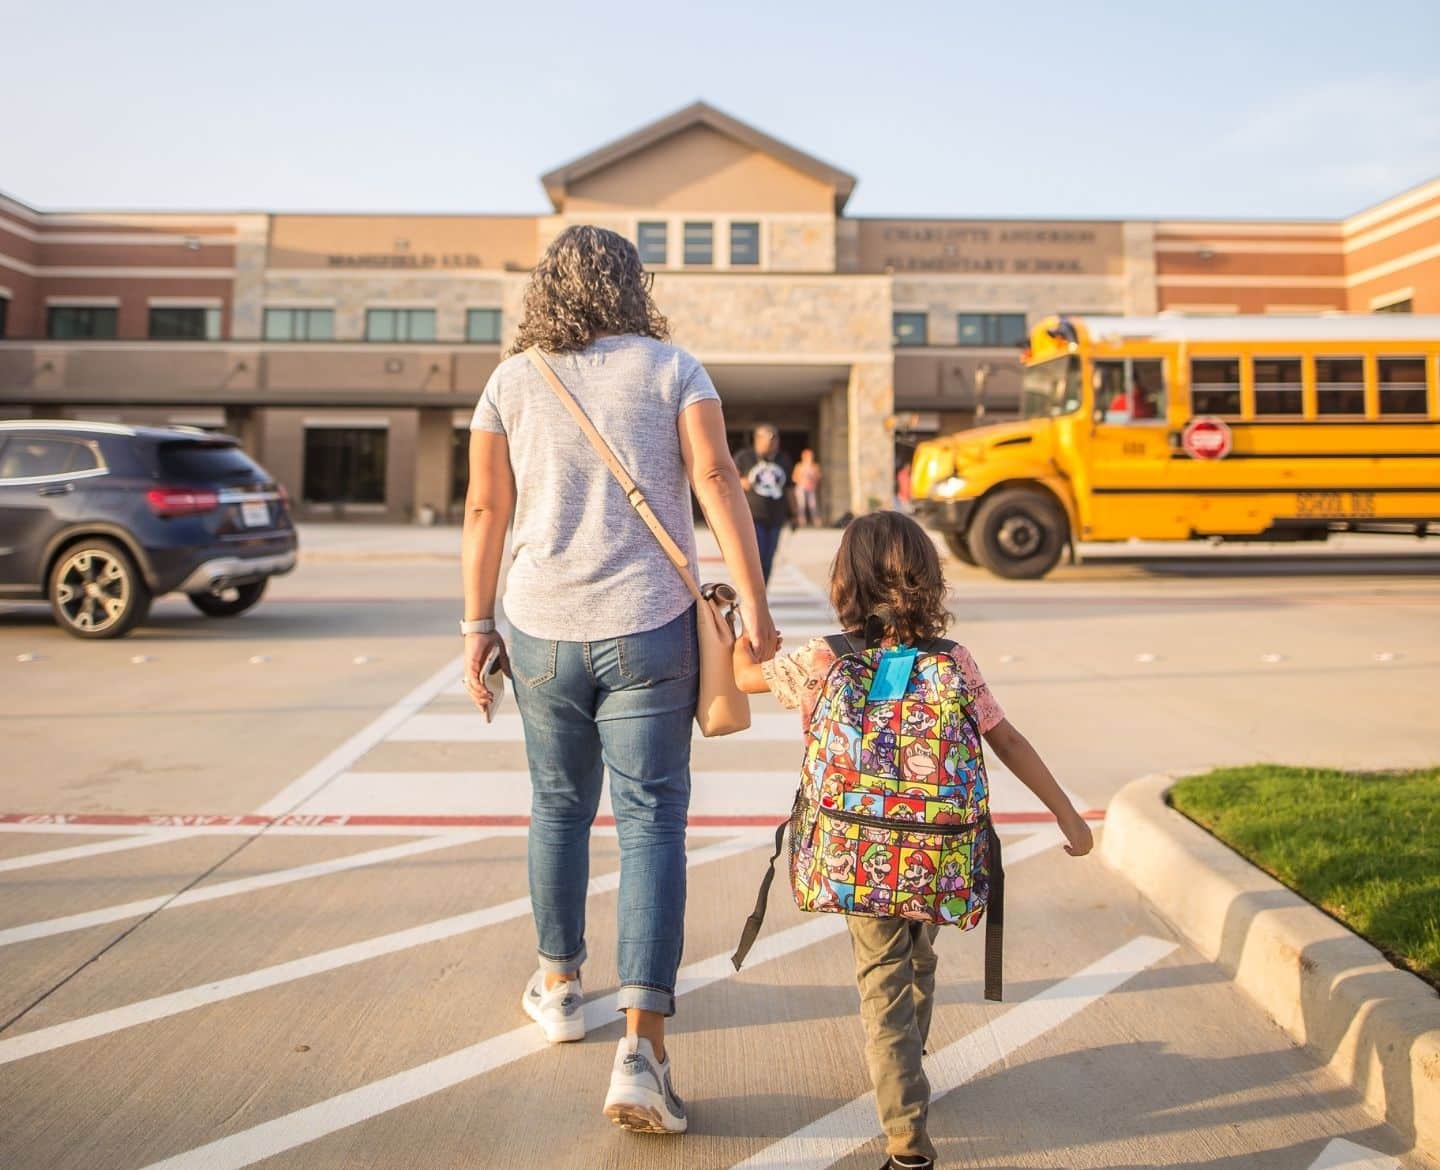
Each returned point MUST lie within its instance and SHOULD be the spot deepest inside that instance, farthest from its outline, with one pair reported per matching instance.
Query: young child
(888, 568)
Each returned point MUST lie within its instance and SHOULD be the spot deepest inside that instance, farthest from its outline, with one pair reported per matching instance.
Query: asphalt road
(283, 923)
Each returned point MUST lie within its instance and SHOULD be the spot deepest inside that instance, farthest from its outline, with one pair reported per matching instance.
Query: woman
(603, 652)
(807, 488)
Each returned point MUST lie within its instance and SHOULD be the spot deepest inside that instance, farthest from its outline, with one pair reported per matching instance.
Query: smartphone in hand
(493, 679)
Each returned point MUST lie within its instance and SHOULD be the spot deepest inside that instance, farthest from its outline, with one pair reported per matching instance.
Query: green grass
(1363, 846)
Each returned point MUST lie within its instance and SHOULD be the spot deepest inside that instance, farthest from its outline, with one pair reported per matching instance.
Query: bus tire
(959, 545)
(1019, 533)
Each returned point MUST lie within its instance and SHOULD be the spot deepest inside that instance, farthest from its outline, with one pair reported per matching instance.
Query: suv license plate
(255, 513)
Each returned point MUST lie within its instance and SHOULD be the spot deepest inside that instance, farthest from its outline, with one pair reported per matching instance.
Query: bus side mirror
(1099, 415)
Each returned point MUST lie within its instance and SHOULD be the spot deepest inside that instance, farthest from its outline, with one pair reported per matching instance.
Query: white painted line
(263, 881)
(1345, 1155)
(839, 1133)
(331, 829)
(74, 852)
(712, 794)
(780, 727)
(293, 1130)
(161, 1006)
(344, 756)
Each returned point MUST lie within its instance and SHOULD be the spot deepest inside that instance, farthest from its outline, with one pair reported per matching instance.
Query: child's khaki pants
(895, 968)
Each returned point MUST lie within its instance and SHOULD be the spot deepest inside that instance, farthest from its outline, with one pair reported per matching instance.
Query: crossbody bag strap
(617, 469)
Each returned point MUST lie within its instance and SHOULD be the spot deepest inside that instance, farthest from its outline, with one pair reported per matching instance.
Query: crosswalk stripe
(75, 852)
(313, 1122)
(161, 1006)
(263, 881)
(828, 1139)
(713, 793)
(1340, 1154)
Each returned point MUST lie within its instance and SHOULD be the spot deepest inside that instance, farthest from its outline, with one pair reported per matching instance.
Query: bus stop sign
(1206, 438)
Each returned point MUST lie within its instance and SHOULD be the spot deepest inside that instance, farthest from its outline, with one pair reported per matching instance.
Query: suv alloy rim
(93, 590)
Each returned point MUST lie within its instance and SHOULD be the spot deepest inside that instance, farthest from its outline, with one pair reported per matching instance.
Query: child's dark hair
(887, 567)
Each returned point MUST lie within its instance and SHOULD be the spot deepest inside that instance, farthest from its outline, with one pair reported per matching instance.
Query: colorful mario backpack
(892, 817)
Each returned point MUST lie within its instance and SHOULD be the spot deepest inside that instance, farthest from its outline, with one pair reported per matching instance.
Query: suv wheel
(1018, 533)
(959, 545)
(96, 590)
(228, 602)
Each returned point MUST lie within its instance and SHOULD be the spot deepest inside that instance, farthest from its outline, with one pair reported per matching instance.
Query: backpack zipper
(923, 827)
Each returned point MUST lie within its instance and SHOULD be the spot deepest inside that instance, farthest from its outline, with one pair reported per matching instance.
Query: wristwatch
(478, 626)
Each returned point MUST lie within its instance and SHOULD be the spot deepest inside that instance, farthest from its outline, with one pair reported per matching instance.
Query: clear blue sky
(1211, 107)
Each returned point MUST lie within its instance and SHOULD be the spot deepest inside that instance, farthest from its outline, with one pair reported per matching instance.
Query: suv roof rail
(65, 424)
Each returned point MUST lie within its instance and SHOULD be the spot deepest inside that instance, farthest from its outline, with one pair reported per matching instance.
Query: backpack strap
(843, 644)
(994, 919)
(756, 920)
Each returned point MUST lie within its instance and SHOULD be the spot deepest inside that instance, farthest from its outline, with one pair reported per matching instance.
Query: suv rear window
(194, 462)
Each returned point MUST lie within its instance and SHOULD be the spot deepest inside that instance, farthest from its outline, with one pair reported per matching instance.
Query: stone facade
(794, 244)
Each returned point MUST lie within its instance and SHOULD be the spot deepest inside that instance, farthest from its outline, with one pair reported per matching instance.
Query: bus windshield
(1051, 388)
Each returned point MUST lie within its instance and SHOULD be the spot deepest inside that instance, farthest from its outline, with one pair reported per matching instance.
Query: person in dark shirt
(765, 472)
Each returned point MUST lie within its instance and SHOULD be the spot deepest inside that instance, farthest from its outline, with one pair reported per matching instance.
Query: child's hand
(1078, 838)
(744, 653)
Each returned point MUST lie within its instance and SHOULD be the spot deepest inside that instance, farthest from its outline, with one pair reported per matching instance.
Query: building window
(1340, 386)
(4, 313)
(459, 466)
(1403, 306)
(699, 243)
(744, 244)
(345, 465)
(1402, 385)
(909, 329)
(63, 322)
(993, 329)
(299, 324)
(399, 324)
(653, 238)
(1215, 386)
(184, 323)
(1277, 387)
(482, 326)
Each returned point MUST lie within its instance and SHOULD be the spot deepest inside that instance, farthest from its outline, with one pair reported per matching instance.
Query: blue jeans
(622, 705)
(767, 536)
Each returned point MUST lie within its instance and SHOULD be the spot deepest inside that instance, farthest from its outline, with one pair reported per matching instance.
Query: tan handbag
(723, 707)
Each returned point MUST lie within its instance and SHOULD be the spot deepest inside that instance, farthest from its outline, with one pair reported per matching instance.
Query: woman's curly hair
(590, 281)
(888, 568)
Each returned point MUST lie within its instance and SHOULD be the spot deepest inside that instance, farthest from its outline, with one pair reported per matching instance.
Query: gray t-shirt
(585, 566)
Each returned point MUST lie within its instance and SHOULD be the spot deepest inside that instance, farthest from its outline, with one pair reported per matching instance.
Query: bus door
(1129, 448)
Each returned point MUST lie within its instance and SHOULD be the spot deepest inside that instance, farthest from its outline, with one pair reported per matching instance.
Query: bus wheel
(959, 547)
(1018, 533)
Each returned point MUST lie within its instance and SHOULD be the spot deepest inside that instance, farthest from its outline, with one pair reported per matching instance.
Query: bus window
(1339, 385)
(1130, 391)
(1050, 389)
(1277, 386)
(1402, 385)
(1215, 386)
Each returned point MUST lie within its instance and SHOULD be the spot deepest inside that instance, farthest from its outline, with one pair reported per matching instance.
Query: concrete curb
(1375, 1026)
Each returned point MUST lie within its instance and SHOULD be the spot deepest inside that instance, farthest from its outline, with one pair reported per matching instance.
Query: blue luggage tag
(892, 675)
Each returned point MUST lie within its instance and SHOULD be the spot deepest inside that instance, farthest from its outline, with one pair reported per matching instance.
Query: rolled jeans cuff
(646, 999)
(909, 1143)
(568, 966)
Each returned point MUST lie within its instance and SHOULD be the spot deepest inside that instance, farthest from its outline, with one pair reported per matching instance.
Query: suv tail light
(171, 501)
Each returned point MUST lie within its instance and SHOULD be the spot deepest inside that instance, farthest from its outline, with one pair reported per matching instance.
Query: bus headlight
(948, 489)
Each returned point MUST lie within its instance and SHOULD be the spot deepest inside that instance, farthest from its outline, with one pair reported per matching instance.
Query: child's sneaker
(641, 1096)
(560, 1011)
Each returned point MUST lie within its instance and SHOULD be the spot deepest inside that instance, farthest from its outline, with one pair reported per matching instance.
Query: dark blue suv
(101, 519)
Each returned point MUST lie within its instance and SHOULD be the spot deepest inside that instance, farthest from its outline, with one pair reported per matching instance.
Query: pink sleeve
(987, 711)
(793, 677)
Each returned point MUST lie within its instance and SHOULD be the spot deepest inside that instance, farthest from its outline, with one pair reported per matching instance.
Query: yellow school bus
(1176, 428)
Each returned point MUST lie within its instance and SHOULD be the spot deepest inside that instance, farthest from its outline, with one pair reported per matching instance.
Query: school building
(347, 351)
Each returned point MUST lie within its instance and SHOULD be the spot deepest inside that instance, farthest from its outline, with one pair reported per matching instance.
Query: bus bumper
(945, 515)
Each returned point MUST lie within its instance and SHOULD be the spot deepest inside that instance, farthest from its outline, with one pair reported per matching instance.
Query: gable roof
(696, 114)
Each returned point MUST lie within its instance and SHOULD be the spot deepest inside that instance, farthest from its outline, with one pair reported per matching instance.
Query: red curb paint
(336, 820)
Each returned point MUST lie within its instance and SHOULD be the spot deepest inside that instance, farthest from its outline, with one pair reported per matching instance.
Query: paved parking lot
(264, 889)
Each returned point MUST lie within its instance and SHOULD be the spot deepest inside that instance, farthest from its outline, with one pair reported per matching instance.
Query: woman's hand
(477, 650)
(1078, 838)
(759, 629)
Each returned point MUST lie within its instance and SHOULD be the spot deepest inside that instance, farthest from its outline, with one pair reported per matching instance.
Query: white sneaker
(560, 1012)
(641, 1096)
